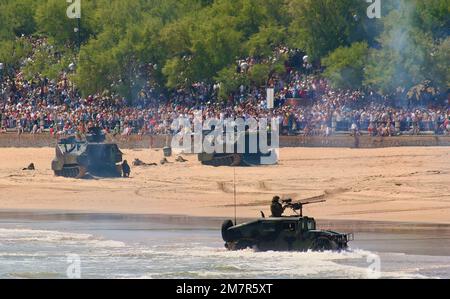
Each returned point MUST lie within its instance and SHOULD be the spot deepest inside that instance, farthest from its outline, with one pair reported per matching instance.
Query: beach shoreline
(211, 223)
(402, 185)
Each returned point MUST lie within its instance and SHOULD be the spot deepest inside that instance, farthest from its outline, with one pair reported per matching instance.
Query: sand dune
(394, 184)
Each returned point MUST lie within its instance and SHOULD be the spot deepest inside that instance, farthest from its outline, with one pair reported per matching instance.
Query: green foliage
(440, 66)
(409, 54)
(432, 16)
(12, 52)
(201, 40)
(320, 26)
(53, 22)
(174, 70)
(259, 74)
(230, 80)
(278, 67)
(345, 66)
(112, 60)
(263, 42)
(22, 19)
(47, 64)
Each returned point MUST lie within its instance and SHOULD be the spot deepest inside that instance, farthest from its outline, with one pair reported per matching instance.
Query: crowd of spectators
(304, 104)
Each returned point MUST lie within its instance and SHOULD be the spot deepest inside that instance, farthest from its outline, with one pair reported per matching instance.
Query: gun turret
(95, 135)
(287, 201)
(298, 206)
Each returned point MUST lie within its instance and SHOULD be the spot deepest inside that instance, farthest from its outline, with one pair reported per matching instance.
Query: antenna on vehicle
(235, 199)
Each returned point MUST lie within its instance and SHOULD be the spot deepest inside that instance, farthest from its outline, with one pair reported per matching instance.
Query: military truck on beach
(292, 233)
(77, 157)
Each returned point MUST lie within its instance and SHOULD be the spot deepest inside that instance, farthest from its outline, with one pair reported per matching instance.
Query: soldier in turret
(277, 208)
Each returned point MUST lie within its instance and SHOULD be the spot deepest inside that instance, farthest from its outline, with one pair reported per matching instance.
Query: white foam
(248, 263)
(44, 236)
(188, 260)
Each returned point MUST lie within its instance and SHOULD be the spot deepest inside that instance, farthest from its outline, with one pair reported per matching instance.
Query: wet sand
(408, 185)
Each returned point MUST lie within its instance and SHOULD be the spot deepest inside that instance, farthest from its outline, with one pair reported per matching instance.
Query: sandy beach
(393, 184)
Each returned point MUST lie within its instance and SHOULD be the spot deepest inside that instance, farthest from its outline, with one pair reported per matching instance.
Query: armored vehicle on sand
(247, 156)
(75, 158)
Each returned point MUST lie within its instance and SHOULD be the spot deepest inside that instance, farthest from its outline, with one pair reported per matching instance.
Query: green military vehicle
(247, 156)
(294, 233)
(75, 158)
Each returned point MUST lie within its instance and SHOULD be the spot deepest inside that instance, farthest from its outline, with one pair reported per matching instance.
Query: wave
(101, 258)
(214, 263)
(35, 275)
(47, 236)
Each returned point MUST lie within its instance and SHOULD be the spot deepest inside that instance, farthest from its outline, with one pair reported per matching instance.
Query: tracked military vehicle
(246, 156)
(293, 233)
(75, 158)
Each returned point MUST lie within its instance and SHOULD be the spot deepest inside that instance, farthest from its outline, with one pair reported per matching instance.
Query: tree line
(176, 43)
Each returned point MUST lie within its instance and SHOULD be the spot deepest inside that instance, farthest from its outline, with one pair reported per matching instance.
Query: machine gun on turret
(297, 207)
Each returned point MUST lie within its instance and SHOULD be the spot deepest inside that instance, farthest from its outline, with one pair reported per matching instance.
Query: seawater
(123, 249)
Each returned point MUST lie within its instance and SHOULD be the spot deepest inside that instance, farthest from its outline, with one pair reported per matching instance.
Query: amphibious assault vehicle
(247, 155)
(75, 158)
(293, 233)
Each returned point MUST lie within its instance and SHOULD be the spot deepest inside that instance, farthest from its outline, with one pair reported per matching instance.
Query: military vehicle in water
(75, 158)
(246, 156)
(292, 233)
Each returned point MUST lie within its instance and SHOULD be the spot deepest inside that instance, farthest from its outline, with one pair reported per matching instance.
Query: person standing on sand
(126, 170)
(356, 134)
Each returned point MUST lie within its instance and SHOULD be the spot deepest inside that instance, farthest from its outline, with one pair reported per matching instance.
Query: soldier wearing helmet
(277, 208)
